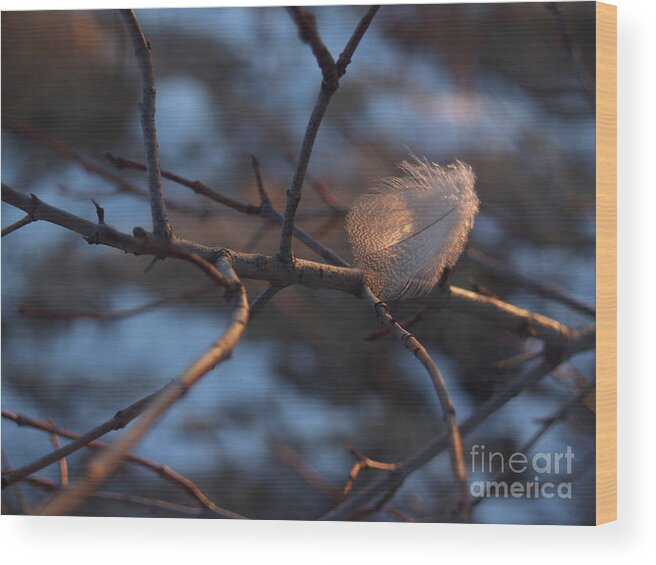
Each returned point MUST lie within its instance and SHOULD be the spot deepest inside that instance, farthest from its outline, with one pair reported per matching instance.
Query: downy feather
(410, 228)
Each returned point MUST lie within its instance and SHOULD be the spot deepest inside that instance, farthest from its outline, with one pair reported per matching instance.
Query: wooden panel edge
(606, 257)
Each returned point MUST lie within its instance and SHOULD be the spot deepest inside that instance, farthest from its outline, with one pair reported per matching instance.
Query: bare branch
(66, 152)
(307, 31)
(118, 421)
(261, 301)
(100, 212)
(17, 225)
(63, 464)
(346, 55)
(315, 275)
(23, 505)
(363, 463)
(161, 226)
(152, 503)
(195, 185)
(328, 88)
(538, 288)
(412, 344)
(101, 468)
(388, 485)
(162, 470)
(264, 197)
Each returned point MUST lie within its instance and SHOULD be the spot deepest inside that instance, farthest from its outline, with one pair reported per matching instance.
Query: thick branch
(161, 227)
(309, 273)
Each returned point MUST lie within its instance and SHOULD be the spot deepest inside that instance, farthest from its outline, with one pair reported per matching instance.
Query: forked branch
(330, 83)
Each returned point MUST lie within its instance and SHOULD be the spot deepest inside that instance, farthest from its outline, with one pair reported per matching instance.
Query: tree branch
(121, 419)
(263, 298)
(309, 273)
(66, 152)
(412, 344)
(17, 225)
(195, 185)
(162, 470)
(389, 484)
(152, 503)
(101, 468)
(161, 226)
(328, 87)
(346, 55)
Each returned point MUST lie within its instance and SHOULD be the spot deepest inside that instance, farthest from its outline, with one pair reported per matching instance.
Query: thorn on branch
(100, 211)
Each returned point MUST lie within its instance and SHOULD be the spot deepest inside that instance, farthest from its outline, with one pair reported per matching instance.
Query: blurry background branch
(162, 470)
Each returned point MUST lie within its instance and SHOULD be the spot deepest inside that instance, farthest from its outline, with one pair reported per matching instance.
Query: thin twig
(18, 492)
(66, 152)
(346, 55)
(153, 503)
(17, 225)
(161, 226)
(63, 463)
(328, 87)
(547, 424)
(362, 464)
(310, 475)
(548, 291)
(389, 484)
(195, 185)
(263, 298)
(264, 196)
(329, 198)
(264, 210)
(101, 468)
(317, 481)
(162, 470)
(118, 421)
(307, 31)
(412, 344)
(407, 324)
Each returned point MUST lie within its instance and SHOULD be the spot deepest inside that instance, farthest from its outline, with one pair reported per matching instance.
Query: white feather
(406, 232)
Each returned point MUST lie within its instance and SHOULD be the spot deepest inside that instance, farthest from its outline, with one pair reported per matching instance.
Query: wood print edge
(606, 261)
